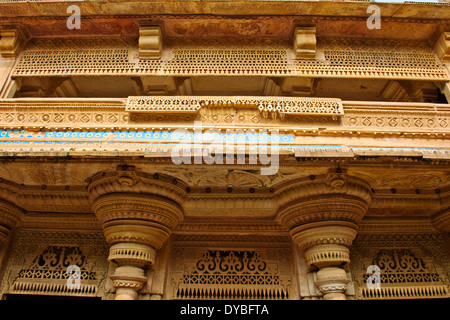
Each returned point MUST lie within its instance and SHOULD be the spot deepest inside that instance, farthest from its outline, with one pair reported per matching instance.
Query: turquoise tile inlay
(150, 135)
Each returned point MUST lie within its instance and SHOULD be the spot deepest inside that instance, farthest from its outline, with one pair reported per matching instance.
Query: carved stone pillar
(322, 216)
(137, 217)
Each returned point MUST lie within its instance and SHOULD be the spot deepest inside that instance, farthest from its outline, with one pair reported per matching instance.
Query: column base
(332, 282)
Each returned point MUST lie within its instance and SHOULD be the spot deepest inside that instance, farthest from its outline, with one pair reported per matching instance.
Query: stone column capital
(10, 216)
(335, 182)
(441, 220)
(128, 179)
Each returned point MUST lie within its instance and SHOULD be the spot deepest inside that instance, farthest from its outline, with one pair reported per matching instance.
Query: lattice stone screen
(404, 276)
(231, 274)
(267, 106)
(338, 58)
(40, 263)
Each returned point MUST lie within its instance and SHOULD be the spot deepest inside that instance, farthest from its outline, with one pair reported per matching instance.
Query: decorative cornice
(107, 119)
(256, 10)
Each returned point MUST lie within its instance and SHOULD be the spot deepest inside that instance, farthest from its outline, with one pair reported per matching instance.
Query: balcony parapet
(267, 106)
(289, 113)
(342, 58)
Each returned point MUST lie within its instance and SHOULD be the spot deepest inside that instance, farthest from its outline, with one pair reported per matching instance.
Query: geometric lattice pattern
(404, 276)
(341, 58)
(273, 106)
(48, 273)
(231, 274)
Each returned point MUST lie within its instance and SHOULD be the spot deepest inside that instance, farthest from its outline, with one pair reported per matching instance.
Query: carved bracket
(12, 39)
(305, 43)
(150, 42)
(442, 47)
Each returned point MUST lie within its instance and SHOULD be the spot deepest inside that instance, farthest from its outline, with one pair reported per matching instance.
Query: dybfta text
(230, 309)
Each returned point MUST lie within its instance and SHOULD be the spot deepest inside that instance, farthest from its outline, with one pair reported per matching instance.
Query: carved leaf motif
(415, 180)
(49, 259)
(74, 258)
(233, 178)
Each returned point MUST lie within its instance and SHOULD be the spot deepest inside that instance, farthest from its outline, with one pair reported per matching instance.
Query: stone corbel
(442, 47)
(13, 38)
(305, 42)
(150, 42)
